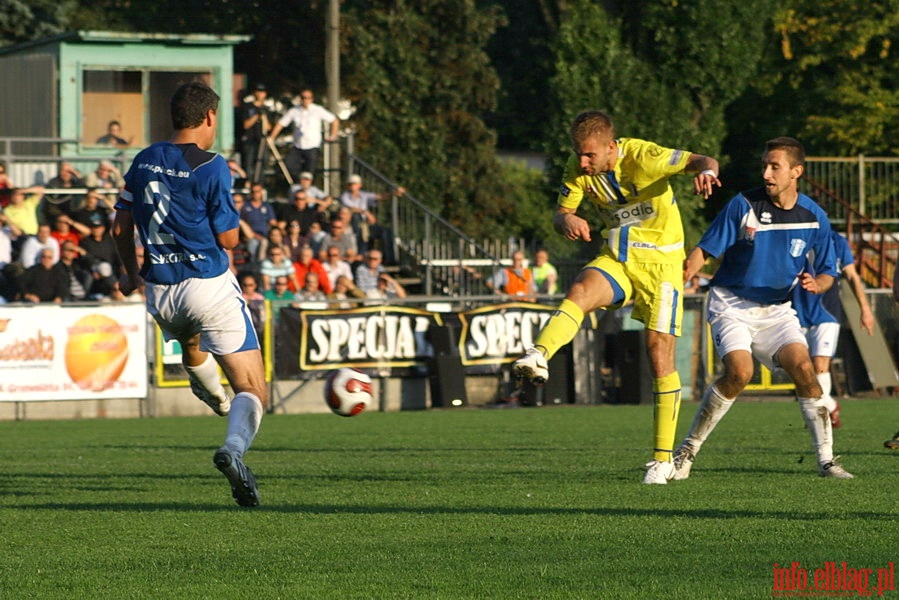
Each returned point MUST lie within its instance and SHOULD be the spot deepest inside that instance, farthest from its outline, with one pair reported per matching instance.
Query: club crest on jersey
(797, 248)
(748, 234)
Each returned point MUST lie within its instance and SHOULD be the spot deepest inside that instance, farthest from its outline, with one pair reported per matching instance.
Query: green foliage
(658, 74)
(23, 21)
(468, 504)
(421, 81)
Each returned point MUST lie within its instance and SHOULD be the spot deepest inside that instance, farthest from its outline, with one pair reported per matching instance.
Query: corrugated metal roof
(120, 37)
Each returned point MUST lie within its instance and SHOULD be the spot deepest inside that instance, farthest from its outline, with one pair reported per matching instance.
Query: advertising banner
(56, 352)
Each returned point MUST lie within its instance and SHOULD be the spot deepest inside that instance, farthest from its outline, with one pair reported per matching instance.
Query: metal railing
(873, 245)
(449, 261)
(867, 185)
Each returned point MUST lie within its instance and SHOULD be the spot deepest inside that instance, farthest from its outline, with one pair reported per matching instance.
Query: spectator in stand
(57, 203)
(113, 136)
(63, 231)
(301, 212)
(277, 265)
(260, 216)
(308, 263)
(255, 124)
(546, 278)
(238, 175)
(280, 291)
(5, 246)
(101, 251)
(344, 291)
(516, 280)
(240, 257)
(105, 177)
(336, 267)
(366, 275)
(362, 205)
(79, 274)
(307, 119)
(6, 185)
(96, 206)
(316, 238)
(312, 290)
(294, 240)
(317, 198)
(47, 281)
(342, 238)
(35, 245)
(249, 288)
(388, 288)
(21, 215)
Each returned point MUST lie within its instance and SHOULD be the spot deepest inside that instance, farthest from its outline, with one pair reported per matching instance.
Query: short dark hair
(191, 102)
(793, 147)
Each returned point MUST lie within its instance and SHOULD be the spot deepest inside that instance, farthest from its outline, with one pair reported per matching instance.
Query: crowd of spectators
(55, 246)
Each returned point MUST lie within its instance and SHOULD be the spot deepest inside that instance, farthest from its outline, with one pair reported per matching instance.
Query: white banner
(59, 352)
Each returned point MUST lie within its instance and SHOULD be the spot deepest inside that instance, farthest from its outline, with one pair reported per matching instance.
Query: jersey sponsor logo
(162, 170)
(564, 191)
(675, 156)
(632, 214)
(797, 248)
(766, 217)
(175, 257)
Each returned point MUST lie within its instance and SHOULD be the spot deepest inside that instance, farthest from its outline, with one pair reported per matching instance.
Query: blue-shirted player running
(771, 239)
(178, 196)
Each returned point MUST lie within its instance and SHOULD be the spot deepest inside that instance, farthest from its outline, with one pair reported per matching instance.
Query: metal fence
(870, 185)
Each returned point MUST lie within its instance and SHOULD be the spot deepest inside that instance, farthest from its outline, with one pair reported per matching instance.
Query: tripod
(260, 159)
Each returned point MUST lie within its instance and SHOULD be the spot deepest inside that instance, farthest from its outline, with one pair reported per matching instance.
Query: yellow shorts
(657, 290)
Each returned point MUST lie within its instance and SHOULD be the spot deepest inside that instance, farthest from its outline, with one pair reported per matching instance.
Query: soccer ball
(348, 392)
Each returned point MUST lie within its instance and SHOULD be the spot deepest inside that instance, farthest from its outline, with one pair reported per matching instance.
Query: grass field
(518, 503)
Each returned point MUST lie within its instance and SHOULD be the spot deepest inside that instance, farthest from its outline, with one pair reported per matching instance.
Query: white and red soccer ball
(348, 392)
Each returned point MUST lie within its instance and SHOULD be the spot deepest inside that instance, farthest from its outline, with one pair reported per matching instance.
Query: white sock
(817, 418)
(243, 422)
(207, 375)
(825, 382)
(712, 409)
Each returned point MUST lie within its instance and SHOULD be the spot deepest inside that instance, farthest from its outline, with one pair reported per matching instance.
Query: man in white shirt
(308, 120)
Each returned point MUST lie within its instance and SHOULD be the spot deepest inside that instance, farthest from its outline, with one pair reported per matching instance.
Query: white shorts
(761, 329)
(822, 339)
(214, 308)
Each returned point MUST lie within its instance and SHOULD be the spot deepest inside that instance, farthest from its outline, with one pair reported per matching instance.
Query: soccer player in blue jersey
(178, 196)
(770, 240)
(819, 315)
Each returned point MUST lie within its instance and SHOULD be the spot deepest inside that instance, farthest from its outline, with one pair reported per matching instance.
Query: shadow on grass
(330, 509)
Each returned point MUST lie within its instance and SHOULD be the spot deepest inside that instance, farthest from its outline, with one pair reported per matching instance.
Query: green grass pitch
(525, 503)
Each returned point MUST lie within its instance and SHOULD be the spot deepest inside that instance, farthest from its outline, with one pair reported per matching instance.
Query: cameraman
(256, 125)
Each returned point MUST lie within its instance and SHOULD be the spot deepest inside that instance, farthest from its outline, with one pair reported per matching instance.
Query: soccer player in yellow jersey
(641, 260)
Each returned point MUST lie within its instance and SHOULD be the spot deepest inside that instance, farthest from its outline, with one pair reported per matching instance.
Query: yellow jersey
(640, 218)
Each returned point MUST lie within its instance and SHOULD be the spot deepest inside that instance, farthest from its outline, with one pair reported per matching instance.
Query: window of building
(122, 108)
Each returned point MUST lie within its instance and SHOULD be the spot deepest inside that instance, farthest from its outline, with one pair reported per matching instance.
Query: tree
(421, 81)
(23, 21)
(664, 70)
